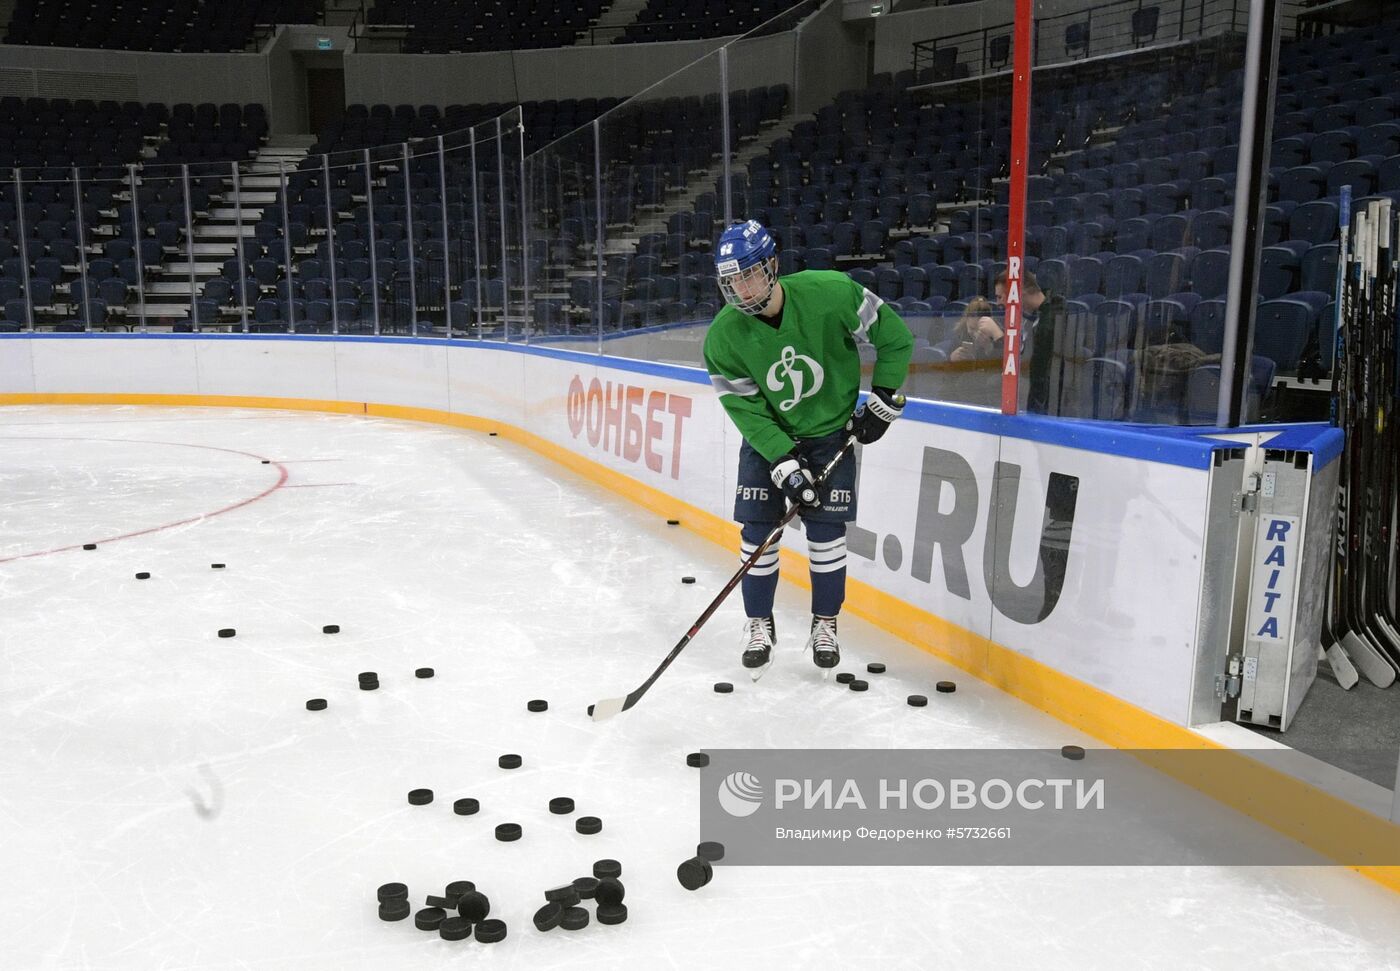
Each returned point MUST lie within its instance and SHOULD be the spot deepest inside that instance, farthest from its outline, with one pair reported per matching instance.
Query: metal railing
(1111, 28)
(393, 35)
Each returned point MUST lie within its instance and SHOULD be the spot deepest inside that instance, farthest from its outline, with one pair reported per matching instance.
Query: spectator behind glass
(974, 336)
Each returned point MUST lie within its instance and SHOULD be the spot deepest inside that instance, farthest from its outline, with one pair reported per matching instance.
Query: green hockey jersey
(802, 379)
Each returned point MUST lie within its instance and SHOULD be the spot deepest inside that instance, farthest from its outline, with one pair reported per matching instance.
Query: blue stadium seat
(1280, 268)
(1123, 274)
(1203, 391)
(915, 282)
(1210, 274)
(1212, 229)
(888, 284)
(1281, 330)
(1314, 222)
(1166, 273)
(1360, 173)
(1319, 268)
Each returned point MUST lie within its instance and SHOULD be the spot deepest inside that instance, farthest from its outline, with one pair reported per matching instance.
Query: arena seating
(1129, 213)
(447, 26)
(663, 20)
(48, 215)
(152, 25)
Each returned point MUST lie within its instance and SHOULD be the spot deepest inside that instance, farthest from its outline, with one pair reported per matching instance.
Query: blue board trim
(1187, 447)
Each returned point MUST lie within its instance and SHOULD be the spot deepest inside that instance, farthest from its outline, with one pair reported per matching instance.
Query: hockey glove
(872, 418)
(791, 474)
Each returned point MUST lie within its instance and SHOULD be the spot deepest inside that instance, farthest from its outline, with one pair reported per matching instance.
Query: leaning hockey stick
(612, 706)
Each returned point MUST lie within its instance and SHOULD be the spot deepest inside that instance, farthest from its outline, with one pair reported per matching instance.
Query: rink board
(1118, 611)
(1061, 561)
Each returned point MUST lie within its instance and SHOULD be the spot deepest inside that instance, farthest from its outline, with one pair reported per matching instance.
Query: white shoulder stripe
(868, 313)
(743, 387)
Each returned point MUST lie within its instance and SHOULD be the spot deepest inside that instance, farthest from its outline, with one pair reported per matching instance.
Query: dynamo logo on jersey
(795, 368)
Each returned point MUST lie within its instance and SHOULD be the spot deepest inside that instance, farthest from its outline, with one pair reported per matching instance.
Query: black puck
(1072, 752)
(316, 704)
(574, 919)
(369, 675)
(875, 667)
(394, 909)
(89, 546)
(564, 894)
(455, 929)
(586, 887)
(687, 579)
(490, 931)
(548, 916)
(446, 903)
(946, 687)
(423, 673)
(723, 688)
(267, 461)
(143, 575)
(714, 852)
(694, 873)
(609, 891)
(227, 632)
(561, 805)
(459, 887)
(509, 761)
(393, 891)
(845, 677)
(538, 704)
(508, 832)
(859, 685)
(588, 825)
(493, 434)
(429, 918)
(369, 685)
(420, 797)
(216, 566)
(607, 868)
(673, 522)
(466, 807)
(474, 906)
(697, 760)
(917, 701)
(612, 913)
(331, 629)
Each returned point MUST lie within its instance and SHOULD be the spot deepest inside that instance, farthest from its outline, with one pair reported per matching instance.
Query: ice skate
(826, 652)
(760, 635)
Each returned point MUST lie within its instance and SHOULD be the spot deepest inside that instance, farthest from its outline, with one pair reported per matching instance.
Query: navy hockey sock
(826, 549)
(760, 584)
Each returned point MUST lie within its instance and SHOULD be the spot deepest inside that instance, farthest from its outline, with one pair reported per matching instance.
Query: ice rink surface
(167, 801)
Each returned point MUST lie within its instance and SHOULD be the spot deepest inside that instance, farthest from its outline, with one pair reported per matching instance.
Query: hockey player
(782, 356)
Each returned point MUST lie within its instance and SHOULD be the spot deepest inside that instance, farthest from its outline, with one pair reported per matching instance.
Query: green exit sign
(323, 43)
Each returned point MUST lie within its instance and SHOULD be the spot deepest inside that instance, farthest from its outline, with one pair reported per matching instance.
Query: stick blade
(607, 708)
(1342, 668)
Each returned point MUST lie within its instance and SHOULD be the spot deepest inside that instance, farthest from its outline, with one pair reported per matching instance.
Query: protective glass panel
(1134, 146)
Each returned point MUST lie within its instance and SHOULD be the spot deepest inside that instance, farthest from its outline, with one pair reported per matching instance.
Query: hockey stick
(1385, 445)
(1339, 639)
(1376, 253)
(609, 707)
(1366, 651)
(1379, 484)
(1346, 627)
(1334, 625)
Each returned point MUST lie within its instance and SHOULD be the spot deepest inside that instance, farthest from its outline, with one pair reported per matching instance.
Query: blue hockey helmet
(746, 261)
